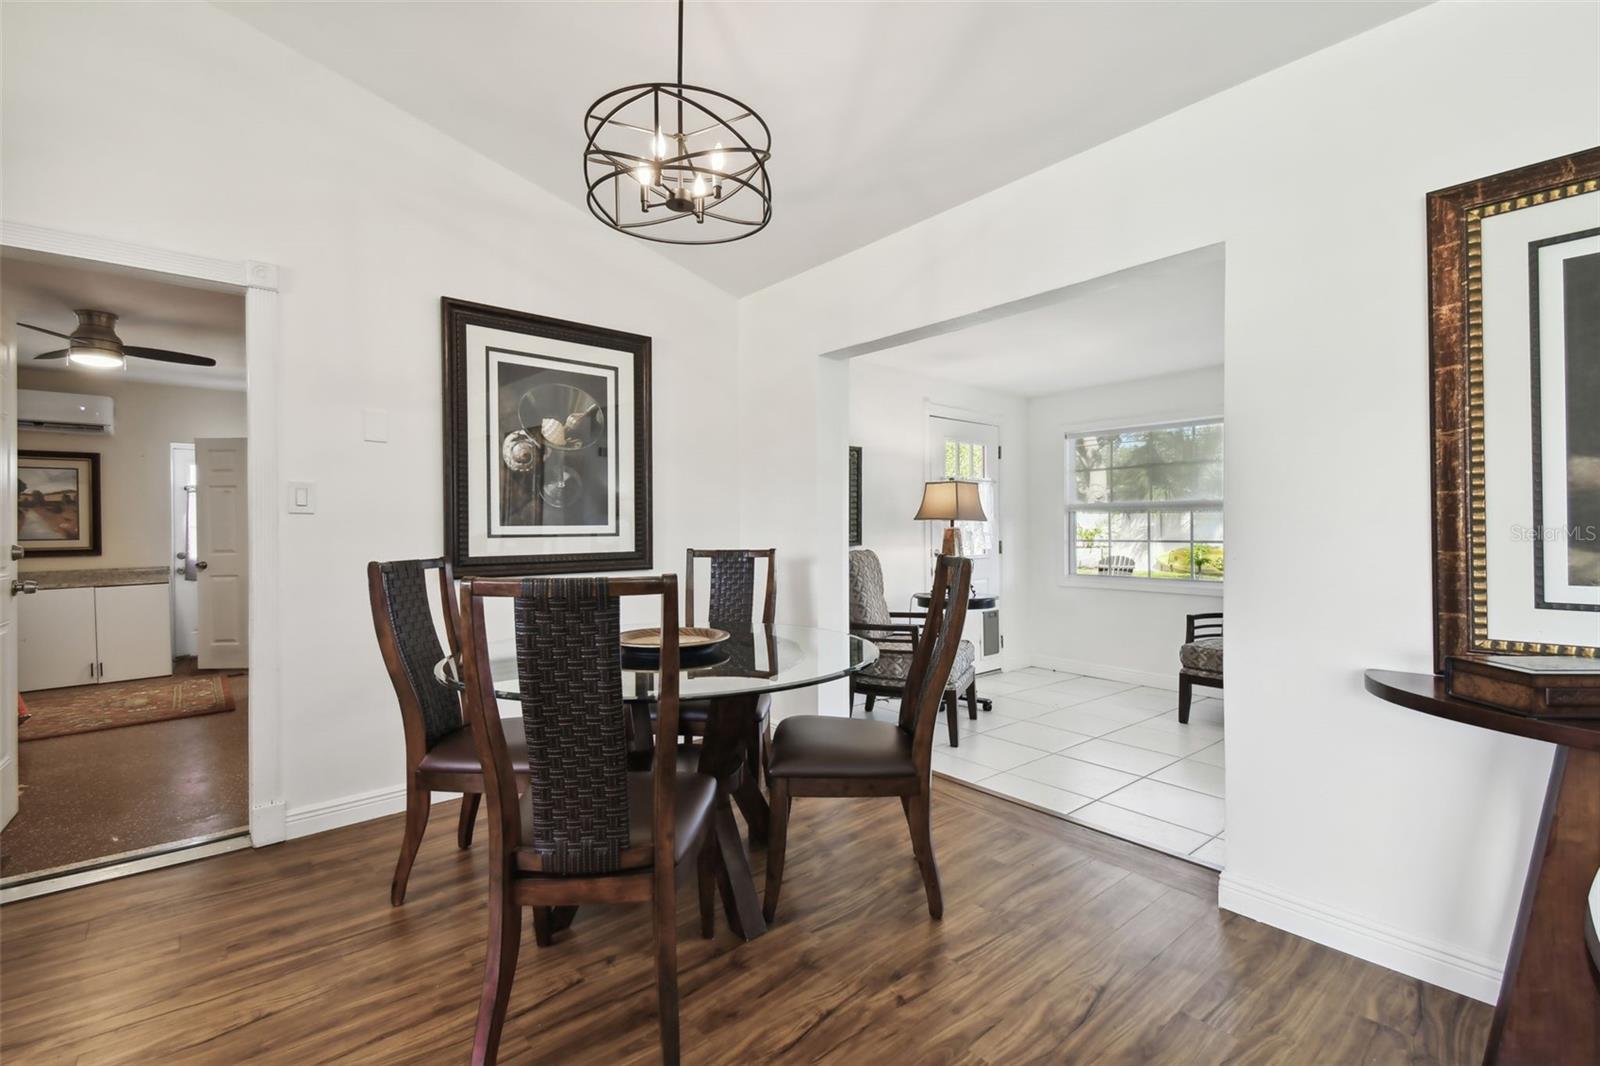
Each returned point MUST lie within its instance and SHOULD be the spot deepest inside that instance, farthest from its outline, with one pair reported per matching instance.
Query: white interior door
(185, 552)
(8, 572)
(970, 451)
(223, 567)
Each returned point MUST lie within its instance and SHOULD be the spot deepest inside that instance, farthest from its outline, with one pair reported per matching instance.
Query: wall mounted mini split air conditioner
(64, 412)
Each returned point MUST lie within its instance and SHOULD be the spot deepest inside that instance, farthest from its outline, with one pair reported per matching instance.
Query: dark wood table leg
(722, 756)
(1549, 1009)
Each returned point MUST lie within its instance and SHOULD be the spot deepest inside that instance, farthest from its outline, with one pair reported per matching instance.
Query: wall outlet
(302, 497)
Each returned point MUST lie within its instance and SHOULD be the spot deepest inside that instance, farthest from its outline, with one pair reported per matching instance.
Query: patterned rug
(88, 708)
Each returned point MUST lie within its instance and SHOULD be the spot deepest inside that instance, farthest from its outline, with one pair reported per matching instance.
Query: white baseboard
(348, 810)
(267, 824)
(1427, 960)
(1168, 680)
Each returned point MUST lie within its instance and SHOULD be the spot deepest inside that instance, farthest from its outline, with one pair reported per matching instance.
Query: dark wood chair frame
(897, 632)
(924, 691)
(649, 873)
(1204, 624)
(419, 783)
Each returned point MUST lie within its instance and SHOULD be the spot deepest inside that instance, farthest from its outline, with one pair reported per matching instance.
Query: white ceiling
(1158, 318)
(152, 312)
(882, 114)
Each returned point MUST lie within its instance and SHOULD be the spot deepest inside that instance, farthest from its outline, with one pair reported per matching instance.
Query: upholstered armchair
(895, 633)
(1199, 659)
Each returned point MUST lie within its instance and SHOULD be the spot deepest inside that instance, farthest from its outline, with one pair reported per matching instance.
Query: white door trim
(259, 283)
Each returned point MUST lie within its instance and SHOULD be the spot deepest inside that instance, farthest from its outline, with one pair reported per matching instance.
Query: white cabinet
(56, 639)
(82, 636)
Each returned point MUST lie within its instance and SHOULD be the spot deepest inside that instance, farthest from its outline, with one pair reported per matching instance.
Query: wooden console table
(1549, 1008)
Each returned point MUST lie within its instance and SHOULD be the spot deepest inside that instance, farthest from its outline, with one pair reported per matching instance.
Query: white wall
(1381, 831)
(889, 411)
(1088, 625)
(135, 461)
(229, 145)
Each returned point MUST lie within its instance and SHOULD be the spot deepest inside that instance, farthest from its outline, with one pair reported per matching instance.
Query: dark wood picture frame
(1456, 392)
(855, 496)
(456, 315)
(93, 461)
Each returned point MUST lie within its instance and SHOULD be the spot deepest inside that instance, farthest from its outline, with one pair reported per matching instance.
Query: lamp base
(952, 541)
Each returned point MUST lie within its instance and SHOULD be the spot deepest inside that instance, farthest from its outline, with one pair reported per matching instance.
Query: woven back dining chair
(817, 755)
(586, 830)
(440, 753)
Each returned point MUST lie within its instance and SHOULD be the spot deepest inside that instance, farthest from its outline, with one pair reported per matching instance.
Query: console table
(1549, 1008)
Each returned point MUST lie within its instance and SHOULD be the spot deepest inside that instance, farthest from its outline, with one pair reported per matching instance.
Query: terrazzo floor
(89, 796)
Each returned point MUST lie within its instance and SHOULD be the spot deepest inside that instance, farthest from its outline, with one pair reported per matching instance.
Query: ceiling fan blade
(164, 356)
(59, 353)
(41, 329)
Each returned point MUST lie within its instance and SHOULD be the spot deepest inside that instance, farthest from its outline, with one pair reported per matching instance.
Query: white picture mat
(1508, 423)
(479, 339)
(499, 358)
(1553, 404)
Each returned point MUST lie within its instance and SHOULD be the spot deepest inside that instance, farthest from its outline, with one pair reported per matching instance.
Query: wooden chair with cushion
(587, 830)
(1200, 658)
(871, 619)
(731, 602)
(813, 755)
(440, 753)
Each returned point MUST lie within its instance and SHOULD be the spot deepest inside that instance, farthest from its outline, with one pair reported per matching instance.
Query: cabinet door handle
(100, 669)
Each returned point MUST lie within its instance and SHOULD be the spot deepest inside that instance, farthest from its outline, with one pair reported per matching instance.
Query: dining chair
(871, 619)
(816, 755)
(440, 753)
(731, 601)
(587, 829)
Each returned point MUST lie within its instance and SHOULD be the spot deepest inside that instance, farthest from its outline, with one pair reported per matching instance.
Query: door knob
(18, 551)
(19, 587)
(200, 565)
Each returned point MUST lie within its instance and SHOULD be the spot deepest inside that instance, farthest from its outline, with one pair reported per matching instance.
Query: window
(964, 461)
(1146, 502)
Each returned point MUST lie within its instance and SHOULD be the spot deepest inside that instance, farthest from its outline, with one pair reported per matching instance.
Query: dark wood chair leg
(500, 969)
(706, 865)
(543, 933)
(418, 800)
(921, 817)
(777, 844)
(871, 699)
(469, 815)
(666, 925)
(1185, 692)
(952, 711)
(972, 700)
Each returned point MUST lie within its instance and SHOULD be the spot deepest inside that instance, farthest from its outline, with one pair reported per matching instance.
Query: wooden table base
(1549, 1009)
(722, 754)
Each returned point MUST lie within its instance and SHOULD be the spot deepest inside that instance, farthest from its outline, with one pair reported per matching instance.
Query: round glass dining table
(754, 661)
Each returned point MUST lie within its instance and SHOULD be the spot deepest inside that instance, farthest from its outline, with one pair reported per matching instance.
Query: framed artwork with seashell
(547, 444)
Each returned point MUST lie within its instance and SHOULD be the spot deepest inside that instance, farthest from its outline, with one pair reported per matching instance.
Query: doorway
(967, 449)
(129, 745)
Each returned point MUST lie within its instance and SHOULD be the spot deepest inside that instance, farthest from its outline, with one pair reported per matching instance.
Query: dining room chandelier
(677, 163)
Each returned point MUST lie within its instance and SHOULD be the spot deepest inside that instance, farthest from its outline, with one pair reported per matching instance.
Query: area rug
(88, 708)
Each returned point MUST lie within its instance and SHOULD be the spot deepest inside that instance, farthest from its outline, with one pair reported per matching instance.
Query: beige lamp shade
(951, 501)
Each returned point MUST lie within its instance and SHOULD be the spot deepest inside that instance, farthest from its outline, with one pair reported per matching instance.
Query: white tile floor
(1109, 755)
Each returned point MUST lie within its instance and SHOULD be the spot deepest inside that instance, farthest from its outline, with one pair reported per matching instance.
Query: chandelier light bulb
(699, 186)
(661, 144)
(645, 175)
(718, 160)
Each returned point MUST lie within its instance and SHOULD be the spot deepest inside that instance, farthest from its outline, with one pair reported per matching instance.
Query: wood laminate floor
(1058, 945)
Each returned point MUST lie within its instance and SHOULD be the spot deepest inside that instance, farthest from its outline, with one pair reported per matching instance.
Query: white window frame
(1069, 577)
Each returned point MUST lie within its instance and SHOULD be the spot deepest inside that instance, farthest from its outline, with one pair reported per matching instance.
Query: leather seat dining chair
(440, 753)
(586, 829)
(816, 755)
(895, 634)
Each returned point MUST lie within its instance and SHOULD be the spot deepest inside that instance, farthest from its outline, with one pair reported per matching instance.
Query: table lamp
(951, 501)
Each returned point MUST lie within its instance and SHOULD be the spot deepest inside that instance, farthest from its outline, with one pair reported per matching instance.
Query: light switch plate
(375, 425)
(302, 497)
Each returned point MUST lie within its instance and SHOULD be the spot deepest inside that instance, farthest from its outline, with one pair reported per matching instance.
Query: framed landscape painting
(58, 503)
(547, 444)
(1514, 284)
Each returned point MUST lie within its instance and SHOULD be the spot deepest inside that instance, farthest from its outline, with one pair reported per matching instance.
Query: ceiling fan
(95, 345)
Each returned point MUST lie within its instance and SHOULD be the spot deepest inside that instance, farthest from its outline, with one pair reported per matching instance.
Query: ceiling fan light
(95, 358)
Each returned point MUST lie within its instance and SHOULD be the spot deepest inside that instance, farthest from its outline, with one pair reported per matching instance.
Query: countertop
(122, 575)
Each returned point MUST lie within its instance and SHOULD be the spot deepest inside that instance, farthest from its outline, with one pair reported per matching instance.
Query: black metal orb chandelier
(677, 163)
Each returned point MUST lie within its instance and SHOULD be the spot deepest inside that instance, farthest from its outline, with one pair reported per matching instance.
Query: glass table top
(759, 658)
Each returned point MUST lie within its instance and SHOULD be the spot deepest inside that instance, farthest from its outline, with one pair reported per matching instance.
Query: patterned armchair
(1199, 659)
(895, 633)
